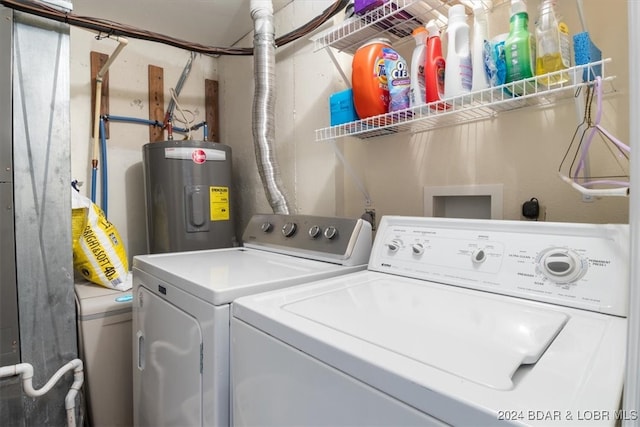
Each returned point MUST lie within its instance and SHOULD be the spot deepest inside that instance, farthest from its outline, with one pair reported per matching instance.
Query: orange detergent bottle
(369, 80)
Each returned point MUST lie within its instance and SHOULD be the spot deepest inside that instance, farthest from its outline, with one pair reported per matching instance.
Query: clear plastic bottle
(553, 48)
(519, 46)
(480, 37)
(458, 73)
(417, 95)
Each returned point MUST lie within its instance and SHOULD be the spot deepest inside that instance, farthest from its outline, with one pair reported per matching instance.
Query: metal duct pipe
(263, 116)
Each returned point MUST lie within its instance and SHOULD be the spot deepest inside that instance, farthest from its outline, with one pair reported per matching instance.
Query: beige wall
(521, 150)
(128, 96)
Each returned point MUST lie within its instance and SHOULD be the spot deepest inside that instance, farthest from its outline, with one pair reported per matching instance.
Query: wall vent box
(464, 201)
(341, 107)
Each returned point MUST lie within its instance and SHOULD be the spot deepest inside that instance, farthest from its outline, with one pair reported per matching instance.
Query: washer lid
(479, 339)
(461, 355)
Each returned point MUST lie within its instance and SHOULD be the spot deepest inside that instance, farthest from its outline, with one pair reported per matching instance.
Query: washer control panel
(315, 237)
(578, 265)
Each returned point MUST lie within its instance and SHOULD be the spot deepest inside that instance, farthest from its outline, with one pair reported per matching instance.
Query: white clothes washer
(455, 322)
(181, 308)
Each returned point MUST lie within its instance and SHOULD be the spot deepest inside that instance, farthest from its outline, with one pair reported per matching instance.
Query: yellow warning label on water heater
(219, 203)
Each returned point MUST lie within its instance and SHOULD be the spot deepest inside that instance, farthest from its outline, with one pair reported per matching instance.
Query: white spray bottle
(480, 37)
(417, 93)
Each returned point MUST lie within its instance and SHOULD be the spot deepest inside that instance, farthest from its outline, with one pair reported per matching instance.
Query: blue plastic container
(341, 107)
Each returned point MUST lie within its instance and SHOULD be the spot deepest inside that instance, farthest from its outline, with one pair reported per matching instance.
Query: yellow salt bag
(99, 254)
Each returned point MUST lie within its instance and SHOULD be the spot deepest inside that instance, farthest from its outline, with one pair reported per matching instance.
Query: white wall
(521, 150)
(128, 96)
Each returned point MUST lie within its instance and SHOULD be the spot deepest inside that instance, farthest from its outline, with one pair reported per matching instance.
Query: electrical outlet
(369, 215)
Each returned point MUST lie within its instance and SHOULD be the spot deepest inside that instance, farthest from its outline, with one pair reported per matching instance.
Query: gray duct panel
(9, 329)
(41, 135)
(6, 170)
(10, 388)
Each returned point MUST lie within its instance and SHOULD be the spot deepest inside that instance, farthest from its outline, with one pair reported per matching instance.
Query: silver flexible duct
(264, 104)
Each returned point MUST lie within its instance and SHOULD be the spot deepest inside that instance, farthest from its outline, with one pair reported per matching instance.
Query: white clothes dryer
(455, 322)
(181, 308)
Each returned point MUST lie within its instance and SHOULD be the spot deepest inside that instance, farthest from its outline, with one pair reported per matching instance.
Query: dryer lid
(219, 276)
(477, 338)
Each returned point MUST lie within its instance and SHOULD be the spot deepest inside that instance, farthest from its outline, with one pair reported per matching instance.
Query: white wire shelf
(471, 107)
(395, 20)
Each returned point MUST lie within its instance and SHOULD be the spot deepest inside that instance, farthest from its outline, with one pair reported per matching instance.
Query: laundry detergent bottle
(519, 48)
(417, 94)
(458, 74)
(369, 79)
(434, 65)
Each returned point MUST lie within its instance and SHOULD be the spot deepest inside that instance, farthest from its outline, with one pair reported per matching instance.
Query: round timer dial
(289, 229)
(561, 265)
(314, 232)
(331, 233)
(394, 245)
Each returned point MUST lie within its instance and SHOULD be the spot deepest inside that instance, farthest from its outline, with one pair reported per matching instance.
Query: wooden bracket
(97, 60)
(156, 102)
(211, 109)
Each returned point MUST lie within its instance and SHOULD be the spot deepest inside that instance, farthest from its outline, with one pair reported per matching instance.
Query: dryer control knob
(266, 227)
(314, 232)
(289, 229)
(478, 256)
(417, 249)
(331, 233)
(394, 245)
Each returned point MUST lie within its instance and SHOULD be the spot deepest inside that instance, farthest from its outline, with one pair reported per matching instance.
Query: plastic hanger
(613, 185)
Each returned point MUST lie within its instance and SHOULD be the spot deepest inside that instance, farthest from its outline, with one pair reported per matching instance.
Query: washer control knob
(289, 229)
(314, 232)
(417, 249)
(394, 245)
(561, 265)
(331, 232)
(266, 227)
(478, 256)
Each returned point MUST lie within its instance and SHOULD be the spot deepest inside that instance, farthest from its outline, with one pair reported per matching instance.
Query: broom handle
(581, 15)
